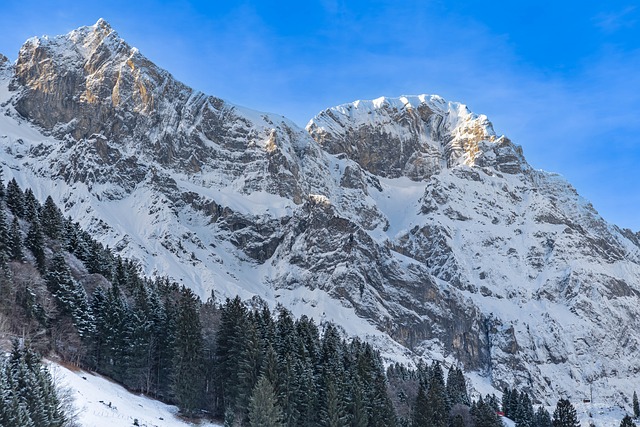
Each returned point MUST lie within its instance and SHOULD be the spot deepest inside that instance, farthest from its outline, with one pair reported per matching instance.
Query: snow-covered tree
(627, 422)
(264, 410)
(565, 415)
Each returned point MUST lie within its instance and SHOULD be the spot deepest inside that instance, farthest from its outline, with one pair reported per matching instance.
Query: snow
(102, 403)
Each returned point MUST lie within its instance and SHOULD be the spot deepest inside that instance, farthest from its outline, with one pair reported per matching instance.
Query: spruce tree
(636, 406)
(51, 219)
(249, 364)
(5, 247)
(69, 294)
(16, 252)
(627, 422)
(484, 415)
(264, 410)
(359, 410)
(35, 243)
(514, 401)
(187, 383)
(542, 418)
(2, 189)
(332, 413)
(435, 411)
(31, 206)
(524, 414)
(420, 413)
(15, 198)
(457, 387)
(229, 348)
(506, 401)
(29, 396)
(565, 415)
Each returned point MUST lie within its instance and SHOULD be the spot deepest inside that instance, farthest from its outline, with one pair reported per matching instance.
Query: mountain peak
(413, 135)
(102, 24)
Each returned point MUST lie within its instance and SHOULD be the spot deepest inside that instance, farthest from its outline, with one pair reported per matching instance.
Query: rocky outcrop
(413, 136)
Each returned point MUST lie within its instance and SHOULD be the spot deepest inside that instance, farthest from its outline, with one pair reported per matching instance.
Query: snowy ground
(103, 403)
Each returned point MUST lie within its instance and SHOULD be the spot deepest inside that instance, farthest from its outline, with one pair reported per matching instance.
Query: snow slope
(102, 403)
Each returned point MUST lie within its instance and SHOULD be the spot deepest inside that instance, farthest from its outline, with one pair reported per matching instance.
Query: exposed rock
(413, 136)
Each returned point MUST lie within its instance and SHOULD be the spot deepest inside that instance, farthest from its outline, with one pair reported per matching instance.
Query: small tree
(541, 418)
(636, 407)
(16, 252)
(627, 422)
(35, 243)
(565, 415)
(264, 410)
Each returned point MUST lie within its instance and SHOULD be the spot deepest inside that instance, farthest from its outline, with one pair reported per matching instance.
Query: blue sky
(560, 78)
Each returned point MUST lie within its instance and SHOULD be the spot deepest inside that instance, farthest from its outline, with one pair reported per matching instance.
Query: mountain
(406, 220)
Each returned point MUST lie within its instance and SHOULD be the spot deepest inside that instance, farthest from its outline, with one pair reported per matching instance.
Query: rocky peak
(92, 87)
(82, 77)
(413, 136)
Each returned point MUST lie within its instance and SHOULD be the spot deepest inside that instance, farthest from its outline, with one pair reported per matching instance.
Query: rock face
(118, 109)
(405, 220)
(413, 136)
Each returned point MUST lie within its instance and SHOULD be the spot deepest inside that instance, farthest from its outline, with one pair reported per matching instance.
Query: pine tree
(542, 418)
(70, 295)
(15, 199)
(31, 206)
(5, 249)
(35, 243)
(484, 415)
(51, 219)
(233, 320)
(16, 252)
(264, 410)
(457, 387)
(627, 422)
(636, 406)
(524, 414)
(565, 415)
(420, 413)
(187, 382)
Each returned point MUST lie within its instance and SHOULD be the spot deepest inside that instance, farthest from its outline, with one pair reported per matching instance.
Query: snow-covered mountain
(405, 220)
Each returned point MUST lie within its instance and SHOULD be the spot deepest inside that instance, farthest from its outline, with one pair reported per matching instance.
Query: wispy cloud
(613, 21)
